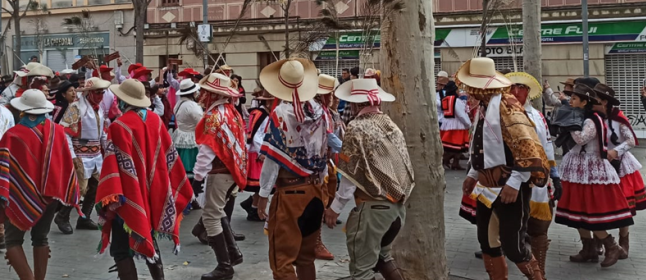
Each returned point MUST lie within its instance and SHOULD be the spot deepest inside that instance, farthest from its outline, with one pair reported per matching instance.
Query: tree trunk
(140, 21)
(483, 28)
(18, 35)
(408, 73)
(532, 52)
(286, 11)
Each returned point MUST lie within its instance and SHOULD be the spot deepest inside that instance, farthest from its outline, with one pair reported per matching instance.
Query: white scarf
(492, 143)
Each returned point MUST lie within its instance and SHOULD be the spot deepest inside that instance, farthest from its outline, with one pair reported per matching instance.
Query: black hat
(606, 93)
(63, 86)
(450, 88)
(584, 92)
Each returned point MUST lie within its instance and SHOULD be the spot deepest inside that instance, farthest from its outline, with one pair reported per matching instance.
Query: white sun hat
(187, 86)
(219, 84)
(327, 84)
(95, 83)
(289, 79)
(132, 92)
(363, 90)
(33, 102)
(35, 69)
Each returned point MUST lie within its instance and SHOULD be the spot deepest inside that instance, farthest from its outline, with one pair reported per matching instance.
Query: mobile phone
(559, 88)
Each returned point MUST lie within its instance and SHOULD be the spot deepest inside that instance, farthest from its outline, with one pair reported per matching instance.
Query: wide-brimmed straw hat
(584, 92)
(290, 79)
(569, 82)
(35, 69)
(363, 90)
(480, 73)
(132, 92)
(535, 88)
(219, 84)
(606, 93)
(370, 73)
(95, 83)
(265, 96)
(67, 71)
(187, 86)
(327, 84)
(32, 101)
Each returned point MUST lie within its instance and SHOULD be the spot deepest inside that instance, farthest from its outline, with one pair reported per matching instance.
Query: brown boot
(41, 257)
(612, 251)
(598, 246)
(540, 244)
(16, 258)
(624, 242)
(306, 272)
(322, 253)
(389, 270)
(531, 270)
(126, 269)
(587, 253)
(200, 232)
(496, 267)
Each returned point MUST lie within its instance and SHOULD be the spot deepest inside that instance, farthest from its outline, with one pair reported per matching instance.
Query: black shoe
(338, 222)
(62, 220)
(235, 256)
(86, 223)
(247, 205)
(224, 270)
(253, 216)
(2, 244)
(238, 236)
(478, 255)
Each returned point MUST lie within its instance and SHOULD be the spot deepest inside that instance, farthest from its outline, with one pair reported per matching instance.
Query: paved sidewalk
(74, 256)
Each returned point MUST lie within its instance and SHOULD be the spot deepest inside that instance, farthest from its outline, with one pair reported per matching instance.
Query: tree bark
(483, 28)
(140, 20)
(532, 51)
(407, 57)
(286, 11)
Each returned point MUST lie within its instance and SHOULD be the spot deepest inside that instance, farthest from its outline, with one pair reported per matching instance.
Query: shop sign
(630, 47)
(56, 41)
(343, 54)
(501, 51)
(357, 40)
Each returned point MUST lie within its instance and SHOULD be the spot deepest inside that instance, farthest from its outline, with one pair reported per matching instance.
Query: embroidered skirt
(633, 187)
(455, 141)
(593, 206)
(468, 209)
(254, 166)
(188, 158)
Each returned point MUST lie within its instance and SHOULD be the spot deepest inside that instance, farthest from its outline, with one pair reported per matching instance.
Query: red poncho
(142, 181)
(26, 184)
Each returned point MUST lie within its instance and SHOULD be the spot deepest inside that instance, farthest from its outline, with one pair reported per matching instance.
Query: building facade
(101, 27)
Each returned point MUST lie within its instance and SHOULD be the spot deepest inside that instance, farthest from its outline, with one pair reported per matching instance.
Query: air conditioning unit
(118, 19)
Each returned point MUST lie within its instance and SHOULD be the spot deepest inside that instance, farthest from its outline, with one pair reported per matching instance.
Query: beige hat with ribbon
(133, 92)
(32, 101)
(95, 83)
(327, 84)
(363, 90)
(290, 79)
(35, 69)
(480, 73)
(218, 84)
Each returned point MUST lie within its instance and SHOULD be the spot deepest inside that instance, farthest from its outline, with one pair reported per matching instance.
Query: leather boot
(531, 270)
(88, 206)
(228, 209)
(126, 269)
(598, 246)
(235, 256)
(224, 270)
(16, 258)
(624, 242)
(62, 220)
(495, 267)
(456, 162)
(41, 257)
(478, 254)
(322, 253)
(200, 232)
(246, 205)
(156, 269)
(306, 272)
(446, 160)
(389, 270)
(540, 244)
(612, 251)
(587, 254)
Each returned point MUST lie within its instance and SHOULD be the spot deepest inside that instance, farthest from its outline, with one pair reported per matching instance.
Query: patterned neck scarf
(32, 120)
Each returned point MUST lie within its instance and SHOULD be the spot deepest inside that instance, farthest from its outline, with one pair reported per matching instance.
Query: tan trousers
(217, 186)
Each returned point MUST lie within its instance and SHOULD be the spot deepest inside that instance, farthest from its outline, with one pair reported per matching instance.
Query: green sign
(353, 40)
(633, 47)
(64, 41)
(572, 32)
(343, 54)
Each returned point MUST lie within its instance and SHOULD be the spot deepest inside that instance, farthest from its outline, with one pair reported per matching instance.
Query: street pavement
(75, 256)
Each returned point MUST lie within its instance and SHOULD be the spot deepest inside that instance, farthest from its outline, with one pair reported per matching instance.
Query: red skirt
(593, 207)
(254, 166)
(634, 191)
(456, 141)
(468, 209)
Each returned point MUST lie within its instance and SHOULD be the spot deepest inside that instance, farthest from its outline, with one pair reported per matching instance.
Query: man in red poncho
(29, 192)
(143, 188)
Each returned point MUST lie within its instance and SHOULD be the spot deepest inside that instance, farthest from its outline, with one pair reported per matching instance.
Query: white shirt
(204, 162)
(6, 120)
(343, 195)
(187, 114)
(91, 129)
(159, 106)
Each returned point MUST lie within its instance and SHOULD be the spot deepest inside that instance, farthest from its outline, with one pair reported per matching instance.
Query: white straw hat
(187, 86)
(327, 84)
(289, 77)
(32, 101)
(363, 90)
(132, 92)
(35, 69)
(95, 83)
(219, 84)
(480, 73)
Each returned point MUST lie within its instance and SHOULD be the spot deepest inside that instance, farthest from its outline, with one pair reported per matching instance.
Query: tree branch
(26, 8)
(5, 9)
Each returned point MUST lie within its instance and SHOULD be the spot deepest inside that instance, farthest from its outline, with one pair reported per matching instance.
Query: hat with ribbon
(35, 69)
(480, 73)
(188, 72)
(569, 82)
(327, 84)
(219, 84)
(187, 86)
(293, 80)
(134, 67)
(535, 88)
(370, 73)
(363, 90)
(606, 93)
(95, 83)
(132, 92)
(32, 101)
(584, 92)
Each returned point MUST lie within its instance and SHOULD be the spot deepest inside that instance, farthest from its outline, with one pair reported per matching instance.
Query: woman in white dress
(187, 114)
